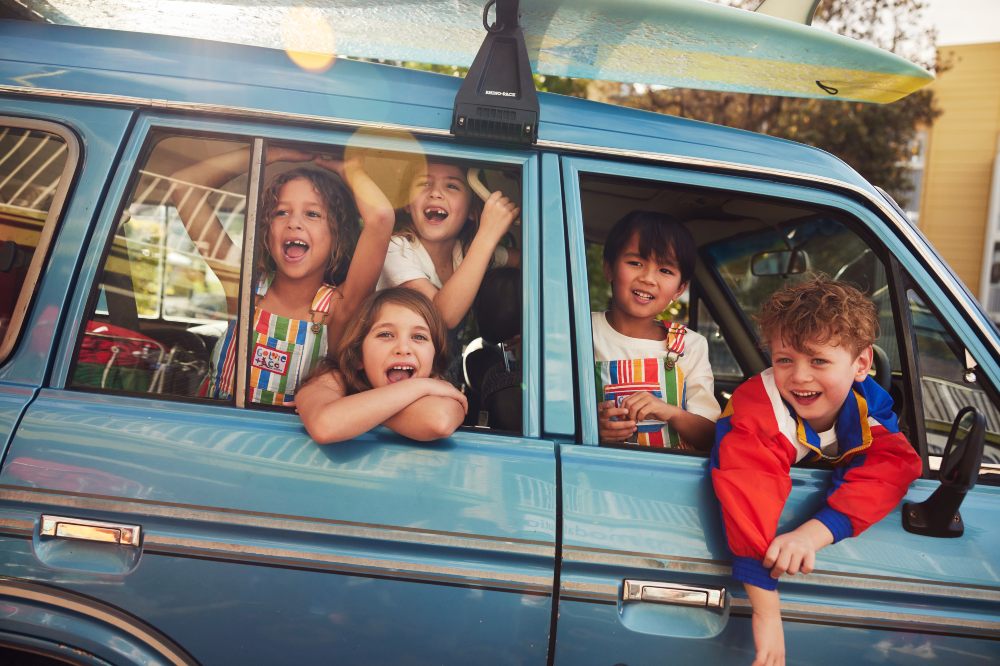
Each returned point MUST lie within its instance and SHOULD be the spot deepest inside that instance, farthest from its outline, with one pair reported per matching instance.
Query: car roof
(200, 72)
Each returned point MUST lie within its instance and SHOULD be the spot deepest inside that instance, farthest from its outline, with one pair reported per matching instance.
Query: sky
(965, 21)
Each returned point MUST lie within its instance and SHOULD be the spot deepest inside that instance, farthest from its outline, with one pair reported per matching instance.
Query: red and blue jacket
(759, 437)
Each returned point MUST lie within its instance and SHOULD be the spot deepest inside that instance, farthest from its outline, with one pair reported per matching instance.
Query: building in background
(957, 173)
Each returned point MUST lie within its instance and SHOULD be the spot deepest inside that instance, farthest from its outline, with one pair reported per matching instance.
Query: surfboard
(676, 43)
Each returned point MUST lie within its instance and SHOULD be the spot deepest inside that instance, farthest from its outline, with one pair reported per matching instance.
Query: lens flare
(393, 164)
(308, 39)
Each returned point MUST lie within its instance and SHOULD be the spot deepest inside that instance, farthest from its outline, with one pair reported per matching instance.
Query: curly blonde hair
(819, 311)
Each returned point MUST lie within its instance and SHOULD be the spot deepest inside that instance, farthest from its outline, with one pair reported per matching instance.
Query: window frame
(49, 227)
(368, 137)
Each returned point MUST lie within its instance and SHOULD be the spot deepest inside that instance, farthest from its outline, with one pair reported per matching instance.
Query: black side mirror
(938, 515)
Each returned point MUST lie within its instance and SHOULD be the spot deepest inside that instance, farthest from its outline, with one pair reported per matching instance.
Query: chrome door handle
(90, 530)
(676, 594)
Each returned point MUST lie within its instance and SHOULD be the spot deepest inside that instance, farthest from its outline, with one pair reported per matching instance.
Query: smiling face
(641, 288)
(816, 382)
(439, 203)
(300, 239)
(397, 347)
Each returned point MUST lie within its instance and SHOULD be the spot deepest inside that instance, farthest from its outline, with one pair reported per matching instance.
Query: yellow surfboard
(677, 43)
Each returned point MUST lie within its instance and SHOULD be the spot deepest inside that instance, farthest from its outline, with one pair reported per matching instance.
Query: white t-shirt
(408, 260)
(622, 360)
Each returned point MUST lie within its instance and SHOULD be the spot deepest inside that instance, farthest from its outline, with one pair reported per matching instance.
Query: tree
(876, 140)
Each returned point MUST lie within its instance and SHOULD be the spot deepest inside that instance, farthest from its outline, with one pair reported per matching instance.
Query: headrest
(498, 305)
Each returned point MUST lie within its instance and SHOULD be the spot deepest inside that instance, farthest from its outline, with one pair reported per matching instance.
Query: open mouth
(398, 373)
(805, 396)
(294, 249)
(642, 295)
(435, 214)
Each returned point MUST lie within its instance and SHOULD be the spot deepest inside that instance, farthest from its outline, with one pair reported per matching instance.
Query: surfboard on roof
(677, 43)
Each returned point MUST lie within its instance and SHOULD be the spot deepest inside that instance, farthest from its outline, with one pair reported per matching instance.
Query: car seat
(491, 363)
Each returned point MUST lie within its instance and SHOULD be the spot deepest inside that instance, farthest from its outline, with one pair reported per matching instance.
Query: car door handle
(90, 530)
(676, 594)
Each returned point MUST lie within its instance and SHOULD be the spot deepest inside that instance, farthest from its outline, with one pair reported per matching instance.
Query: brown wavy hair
(348, 359)
(404, 222)
(342, 217)
(819, 311)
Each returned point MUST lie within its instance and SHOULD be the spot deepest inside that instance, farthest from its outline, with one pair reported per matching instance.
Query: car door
(645, 574)
(237, 539)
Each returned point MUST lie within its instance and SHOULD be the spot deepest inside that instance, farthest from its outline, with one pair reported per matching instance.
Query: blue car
(143, 521)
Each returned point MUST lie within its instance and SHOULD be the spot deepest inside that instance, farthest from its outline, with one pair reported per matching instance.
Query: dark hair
(342, 216)
(661, 235)
(348, 357)
(819, 311)
(404, 222)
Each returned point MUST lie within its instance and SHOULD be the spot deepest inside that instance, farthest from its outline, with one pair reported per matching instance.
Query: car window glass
(32, 164)
(946, 388)
(166, 292)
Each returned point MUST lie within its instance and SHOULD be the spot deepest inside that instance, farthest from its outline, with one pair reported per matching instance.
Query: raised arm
(378, 217)
(455, 298)
(329, 415)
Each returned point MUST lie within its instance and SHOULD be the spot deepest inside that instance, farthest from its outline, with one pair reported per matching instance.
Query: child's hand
(795, 552)
(443, 389)
(499, 213)
(768, 638)
(613, 432)
(339, 166)
(644, 406)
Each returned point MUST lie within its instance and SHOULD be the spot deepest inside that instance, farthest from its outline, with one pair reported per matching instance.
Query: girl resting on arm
(386, 372)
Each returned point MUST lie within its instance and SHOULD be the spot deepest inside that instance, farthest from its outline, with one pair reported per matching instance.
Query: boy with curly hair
(816, 403)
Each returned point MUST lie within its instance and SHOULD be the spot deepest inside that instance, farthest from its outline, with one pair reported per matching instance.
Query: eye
(421, 337)
(781, 360)
(279, 212)
(454, 186)
(633, 262)
(384, 335)
(315, 214)
(820, 361)
(667, 271)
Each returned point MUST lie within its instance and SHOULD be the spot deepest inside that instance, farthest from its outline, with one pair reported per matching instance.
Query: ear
(680, 290)
(863, 363)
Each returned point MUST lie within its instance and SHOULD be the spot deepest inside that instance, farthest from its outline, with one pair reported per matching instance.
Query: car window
(166, 293)
(164, 308)
(947, 387)
(35, 162)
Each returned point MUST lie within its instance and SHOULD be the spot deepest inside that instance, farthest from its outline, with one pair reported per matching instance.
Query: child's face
(398, 347)
(816, 382)
(299, 235)
(439, 203)
(642, 288)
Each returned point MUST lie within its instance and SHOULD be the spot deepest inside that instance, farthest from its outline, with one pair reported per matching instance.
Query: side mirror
(938, 515)
(779, 262)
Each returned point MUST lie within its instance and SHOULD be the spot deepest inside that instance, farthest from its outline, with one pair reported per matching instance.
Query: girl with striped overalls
(316, 264)
(654, 382)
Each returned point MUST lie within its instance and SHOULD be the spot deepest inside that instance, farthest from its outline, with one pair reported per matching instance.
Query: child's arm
(198, 215)
(751, 475)
(329, 415)
(768, 634)
(431, 417)
(455, 298)
(692, 428)
(369, 255)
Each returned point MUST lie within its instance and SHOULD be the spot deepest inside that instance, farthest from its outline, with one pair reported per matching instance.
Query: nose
(648, 274)
(402, 346)
(801, 372)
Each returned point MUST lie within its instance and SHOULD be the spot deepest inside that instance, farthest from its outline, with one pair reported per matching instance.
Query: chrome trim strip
(218, 109)
(41, 251)
(330, 561)
(838, 580)
(77, 604)
(950, 625)
(12, 527)
(891, 214)
(314, 526)
(247, 291)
